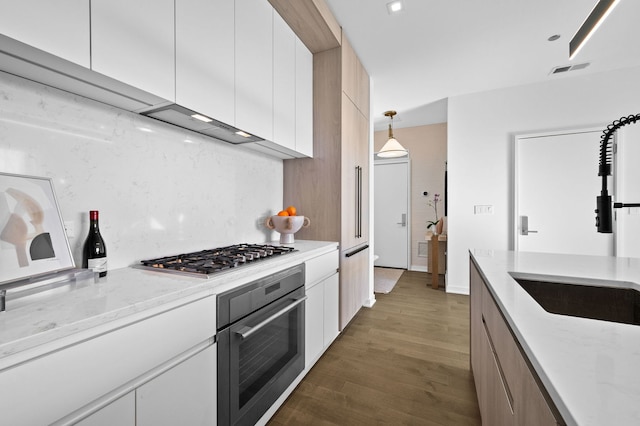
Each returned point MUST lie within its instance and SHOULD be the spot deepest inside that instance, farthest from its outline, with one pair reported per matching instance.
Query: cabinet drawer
(321, 267)
(528, 403)
(69, 378)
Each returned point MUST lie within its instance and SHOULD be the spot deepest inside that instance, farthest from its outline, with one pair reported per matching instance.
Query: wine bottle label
(98, 265)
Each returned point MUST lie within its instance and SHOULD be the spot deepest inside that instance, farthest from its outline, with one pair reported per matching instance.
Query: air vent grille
(567, 68)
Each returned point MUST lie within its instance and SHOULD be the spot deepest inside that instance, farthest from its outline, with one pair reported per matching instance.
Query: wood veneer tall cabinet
(332, 187)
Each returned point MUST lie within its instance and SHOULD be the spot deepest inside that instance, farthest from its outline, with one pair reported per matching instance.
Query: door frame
(514, 182)
(399, 160)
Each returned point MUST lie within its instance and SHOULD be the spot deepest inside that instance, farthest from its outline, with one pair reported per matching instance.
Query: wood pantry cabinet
(332, 188)
(508, 392)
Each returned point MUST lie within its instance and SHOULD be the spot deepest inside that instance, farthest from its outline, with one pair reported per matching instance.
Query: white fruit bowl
(287, 226)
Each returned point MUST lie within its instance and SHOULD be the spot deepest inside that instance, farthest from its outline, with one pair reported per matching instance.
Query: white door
(391, 213)
(556, 184)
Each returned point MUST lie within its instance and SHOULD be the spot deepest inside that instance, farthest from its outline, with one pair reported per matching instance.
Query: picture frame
(33, 241)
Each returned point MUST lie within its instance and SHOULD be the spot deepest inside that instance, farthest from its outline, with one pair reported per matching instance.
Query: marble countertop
(590, 368)
(123, 296)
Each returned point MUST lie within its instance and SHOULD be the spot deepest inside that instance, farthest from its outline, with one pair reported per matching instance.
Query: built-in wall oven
(260, 344)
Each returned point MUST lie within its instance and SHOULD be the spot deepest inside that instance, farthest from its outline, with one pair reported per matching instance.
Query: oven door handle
(245, 332)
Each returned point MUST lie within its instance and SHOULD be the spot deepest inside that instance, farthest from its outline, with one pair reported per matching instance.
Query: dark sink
(614, 304)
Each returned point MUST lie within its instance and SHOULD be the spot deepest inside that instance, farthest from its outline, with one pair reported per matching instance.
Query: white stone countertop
(591, 368)
(124, 296)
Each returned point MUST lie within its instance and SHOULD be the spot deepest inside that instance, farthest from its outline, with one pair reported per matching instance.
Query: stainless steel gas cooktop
(206, 263)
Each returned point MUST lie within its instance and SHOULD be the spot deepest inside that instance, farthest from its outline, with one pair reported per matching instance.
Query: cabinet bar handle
(503, 379)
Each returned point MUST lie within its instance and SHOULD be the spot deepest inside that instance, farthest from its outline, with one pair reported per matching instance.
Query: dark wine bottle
(94, 255)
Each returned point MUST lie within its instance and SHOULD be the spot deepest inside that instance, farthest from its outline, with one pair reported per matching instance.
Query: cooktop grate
(211, 261)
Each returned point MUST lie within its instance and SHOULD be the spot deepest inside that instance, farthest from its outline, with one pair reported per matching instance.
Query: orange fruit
(283, 213)
(291, 210)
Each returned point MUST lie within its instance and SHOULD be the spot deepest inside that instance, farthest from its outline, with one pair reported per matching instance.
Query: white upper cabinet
(134, 42)
(254, 67)
(57, 27)
(236, 61)
(205, 57)
(304, 99)
(284, 83)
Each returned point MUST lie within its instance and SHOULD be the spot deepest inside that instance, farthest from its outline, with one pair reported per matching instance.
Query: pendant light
(392, 148)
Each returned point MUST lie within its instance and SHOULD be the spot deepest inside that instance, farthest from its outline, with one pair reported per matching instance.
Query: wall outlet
(483, 209)
(69, 228)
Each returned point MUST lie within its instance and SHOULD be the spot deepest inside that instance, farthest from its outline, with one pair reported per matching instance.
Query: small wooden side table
(435, 254)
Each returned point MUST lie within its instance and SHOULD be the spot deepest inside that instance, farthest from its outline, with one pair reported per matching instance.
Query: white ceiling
(436, 49)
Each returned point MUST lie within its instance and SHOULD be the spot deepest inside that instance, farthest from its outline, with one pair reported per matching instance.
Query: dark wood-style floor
(403, 362)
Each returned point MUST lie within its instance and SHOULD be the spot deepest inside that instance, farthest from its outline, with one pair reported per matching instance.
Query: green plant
(434, 203)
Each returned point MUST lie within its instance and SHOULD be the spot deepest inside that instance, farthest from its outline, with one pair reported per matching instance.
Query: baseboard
(370, 302)
(457, 290)
(419, 268)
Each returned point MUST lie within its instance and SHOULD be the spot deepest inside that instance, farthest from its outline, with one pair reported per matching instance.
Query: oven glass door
(266, 355)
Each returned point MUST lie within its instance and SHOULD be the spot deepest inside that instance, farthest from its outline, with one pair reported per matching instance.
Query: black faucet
(603, 201)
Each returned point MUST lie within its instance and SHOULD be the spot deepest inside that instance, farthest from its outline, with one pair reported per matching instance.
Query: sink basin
(615, 304)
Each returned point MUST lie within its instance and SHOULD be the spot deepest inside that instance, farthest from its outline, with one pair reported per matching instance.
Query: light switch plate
(483, 209)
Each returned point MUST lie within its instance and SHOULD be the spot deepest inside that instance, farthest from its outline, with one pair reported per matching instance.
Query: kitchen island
(585, 371)
(108, 346)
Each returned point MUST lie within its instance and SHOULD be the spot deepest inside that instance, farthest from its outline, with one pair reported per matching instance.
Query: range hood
(191, 120)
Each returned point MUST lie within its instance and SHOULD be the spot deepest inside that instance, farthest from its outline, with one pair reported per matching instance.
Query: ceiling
(436, 49)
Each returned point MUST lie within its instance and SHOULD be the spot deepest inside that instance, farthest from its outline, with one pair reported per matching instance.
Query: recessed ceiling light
(395, 7)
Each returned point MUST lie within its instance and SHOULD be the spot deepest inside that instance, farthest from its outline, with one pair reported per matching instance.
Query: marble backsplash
(160, 189)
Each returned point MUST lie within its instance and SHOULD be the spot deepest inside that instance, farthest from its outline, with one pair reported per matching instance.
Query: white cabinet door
(134, 42)
(121, 412)
(314, 324)
(284, 83)
(331, 309)
(254, 67)
(304, 99)
(57, 27)
(184, 395)
(205, 57)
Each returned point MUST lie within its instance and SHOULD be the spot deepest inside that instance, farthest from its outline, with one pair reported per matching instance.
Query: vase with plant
(434, 203)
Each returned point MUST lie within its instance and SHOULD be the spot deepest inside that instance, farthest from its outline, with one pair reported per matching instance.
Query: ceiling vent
(566, 68)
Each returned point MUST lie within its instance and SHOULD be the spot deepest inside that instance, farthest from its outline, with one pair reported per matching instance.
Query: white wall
(160, 190)
(481, 130)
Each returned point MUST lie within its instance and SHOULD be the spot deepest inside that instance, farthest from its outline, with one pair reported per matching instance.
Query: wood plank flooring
(403, 362)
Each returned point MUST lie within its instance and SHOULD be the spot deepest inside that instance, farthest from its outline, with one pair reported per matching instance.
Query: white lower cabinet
(314, 324)
(183, 395)
(321, 318)
(331, 309)
(321, 307)
(121, 412)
